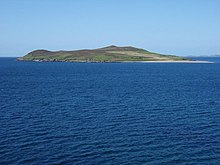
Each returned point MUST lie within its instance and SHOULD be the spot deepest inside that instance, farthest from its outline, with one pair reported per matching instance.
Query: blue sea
(109, 113)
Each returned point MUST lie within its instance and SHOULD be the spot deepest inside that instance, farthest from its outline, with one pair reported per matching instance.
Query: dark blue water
(109, 113)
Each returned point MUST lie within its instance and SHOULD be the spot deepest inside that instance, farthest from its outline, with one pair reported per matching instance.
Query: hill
(106, 54)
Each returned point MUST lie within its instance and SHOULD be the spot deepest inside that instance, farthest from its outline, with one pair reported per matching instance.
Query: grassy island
(106, 54)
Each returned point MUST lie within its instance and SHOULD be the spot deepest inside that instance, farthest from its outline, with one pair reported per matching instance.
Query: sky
(179, 27)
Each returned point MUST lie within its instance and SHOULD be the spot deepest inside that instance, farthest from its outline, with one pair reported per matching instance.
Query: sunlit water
(109, 113)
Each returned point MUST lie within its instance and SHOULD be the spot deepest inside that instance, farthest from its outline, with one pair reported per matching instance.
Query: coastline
(174, 62)
(168, 61)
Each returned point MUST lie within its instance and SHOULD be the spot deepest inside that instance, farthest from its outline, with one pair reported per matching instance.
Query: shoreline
(169, 61)
(199, 62)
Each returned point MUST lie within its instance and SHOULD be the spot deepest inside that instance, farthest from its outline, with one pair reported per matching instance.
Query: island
(106, 54)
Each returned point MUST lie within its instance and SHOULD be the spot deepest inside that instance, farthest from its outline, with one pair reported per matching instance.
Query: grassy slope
(107, 54)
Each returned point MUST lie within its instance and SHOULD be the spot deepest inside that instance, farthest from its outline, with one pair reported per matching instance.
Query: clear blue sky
(181, 27)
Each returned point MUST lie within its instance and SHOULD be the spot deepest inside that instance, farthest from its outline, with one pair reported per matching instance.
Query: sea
(109, 113)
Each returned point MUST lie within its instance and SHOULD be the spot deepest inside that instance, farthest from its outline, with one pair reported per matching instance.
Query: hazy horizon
(184, 28)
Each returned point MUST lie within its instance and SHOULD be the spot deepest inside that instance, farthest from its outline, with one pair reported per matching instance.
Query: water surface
(109, 113)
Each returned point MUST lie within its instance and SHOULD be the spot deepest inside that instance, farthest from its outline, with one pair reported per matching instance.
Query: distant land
(212, 55)
(106, 54)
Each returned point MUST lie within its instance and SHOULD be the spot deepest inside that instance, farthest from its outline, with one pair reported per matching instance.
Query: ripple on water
(76, 113)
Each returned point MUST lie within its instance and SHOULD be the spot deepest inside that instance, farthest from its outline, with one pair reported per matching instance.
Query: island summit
(106, 54)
